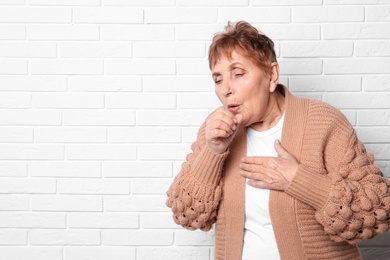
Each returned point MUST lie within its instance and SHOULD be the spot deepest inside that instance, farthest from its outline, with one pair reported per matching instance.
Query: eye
(217, 80)
(238, 73)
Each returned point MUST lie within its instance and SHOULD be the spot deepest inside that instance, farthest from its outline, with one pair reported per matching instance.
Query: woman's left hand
(274, 173)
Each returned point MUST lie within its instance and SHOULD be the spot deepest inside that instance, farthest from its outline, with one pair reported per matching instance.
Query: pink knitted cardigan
(337, 198)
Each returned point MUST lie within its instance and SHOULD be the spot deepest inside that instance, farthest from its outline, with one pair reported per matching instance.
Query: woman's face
(244, 88)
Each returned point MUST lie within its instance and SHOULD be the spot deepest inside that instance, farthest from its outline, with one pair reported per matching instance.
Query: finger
(259, 184)
(280, 150)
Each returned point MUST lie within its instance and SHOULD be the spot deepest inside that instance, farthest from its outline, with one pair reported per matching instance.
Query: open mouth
(233, 107)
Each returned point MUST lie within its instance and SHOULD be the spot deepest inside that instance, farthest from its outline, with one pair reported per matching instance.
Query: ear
(274, 76)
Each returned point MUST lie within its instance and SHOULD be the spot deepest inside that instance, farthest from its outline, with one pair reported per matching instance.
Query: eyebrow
(231, 67)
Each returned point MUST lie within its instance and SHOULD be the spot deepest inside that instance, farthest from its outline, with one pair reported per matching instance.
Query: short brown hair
(245, 39)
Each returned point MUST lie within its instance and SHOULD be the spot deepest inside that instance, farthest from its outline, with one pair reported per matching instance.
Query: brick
(255, 15)
(13, 169)
(160, 220)
(95, 50)
(105, 83)
(328, 14)
(137, 238)
(70, 135)
(375, 253)
(212, 3)
(27, 117)
(178, 84)
(101, 152)
(372, 49)
(357, 66)
(141, 67)
(13, 67)
(150, 186)
(193, 67)
(69, 100)
(66, 67)
(181, 15)
(169, 50)
(353, 2)
(163, 152)
(196, 32)
(14, 203)
(32, 220)
(356, 31)
(377, 13)
(380, 151)
(174, 253)
(300, 67)
(12, 32)
(358, 100)
(139, 2)
(197, 238)
(137, 169)
(384, 166)
(99, 118)
(31, 152)
(376, 83)
(41, 253)
(16, 135)
(190, 134)
(141, 101)
(132, 203)
(13, 237)
(13, 100)
(27, 186)
(53, 237)
(285, 2)
(93, 186)
(145, 32)
(198, 101)
(317, 49)
(373, 134)
(99, 253)
(35, 15)
(33, 83)
(144, 135)
(65, 169)
(103, 220)
(171, 118)
(57, 203)
(63, 32)
(374, 117)
(291, 31)
(27, 50)
(65, 2)
(12, 2)
(108, 15)
(325, 83)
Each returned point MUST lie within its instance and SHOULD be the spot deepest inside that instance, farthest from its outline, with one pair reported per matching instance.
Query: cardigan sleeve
(352, 201)
(195, 193)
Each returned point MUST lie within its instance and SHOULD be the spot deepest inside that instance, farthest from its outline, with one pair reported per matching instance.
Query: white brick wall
(100, 100)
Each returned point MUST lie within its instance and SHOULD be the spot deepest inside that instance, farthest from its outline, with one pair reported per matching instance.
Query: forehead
(225, 61)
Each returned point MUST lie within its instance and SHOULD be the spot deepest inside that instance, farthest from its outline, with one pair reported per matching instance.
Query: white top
(259, 238)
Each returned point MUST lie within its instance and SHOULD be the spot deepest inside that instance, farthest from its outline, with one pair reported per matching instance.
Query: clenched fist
(221, 127)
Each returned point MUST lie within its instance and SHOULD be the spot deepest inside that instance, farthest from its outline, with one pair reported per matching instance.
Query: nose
(227, 88)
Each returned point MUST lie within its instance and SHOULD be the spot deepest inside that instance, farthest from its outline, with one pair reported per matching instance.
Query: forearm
(196, 191)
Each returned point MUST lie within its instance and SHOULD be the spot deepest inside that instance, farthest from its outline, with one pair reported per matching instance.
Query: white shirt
(259, 238)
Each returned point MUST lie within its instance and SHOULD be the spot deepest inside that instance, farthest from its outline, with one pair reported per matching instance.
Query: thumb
(238, 118)
(280, 150)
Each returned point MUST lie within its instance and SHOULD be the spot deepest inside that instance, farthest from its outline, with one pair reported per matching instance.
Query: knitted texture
(337, 198)
(196, 192)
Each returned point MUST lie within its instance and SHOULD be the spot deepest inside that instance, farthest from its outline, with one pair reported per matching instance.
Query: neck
(276, 111)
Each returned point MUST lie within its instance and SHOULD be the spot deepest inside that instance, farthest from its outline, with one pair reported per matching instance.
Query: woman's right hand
(220, 129)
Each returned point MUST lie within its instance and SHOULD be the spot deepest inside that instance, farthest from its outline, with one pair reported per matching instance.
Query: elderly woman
(283, 177)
